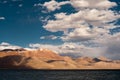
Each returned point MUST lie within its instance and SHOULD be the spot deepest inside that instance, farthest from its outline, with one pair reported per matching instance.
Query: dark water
(60, 75)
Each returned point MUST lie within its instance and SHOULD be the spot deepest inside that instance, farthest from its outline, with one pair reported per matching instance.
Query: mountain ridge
(48, 59)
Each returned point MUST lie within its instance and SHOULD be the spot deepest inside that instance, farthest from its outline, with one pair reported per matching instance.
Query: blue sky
(22, 25)
(62, 24)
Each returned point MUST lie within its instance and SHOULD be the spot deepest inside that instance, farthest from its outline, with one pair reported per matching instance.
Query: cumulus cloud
(91, 23)
(77, 25)
(106, 4)
(53, 5)
(80, 4)
(79, 35)
(99, 4)
(92, 16)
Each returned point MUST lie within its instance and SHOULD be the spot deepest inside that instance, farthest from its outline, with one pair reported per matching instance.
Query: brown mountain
(47, 59)
(43, 53)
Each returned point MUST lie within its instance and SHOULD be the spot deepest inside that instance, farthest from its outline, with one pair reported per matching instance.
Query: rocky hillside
(47, 59)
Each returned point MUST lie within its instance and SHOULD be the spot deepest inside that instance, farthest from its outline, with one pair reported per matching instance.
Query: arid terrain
(47, 59)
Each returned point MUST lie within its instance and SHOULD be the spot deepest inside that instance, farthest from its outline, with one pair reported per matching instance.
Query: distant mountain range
(19, 58)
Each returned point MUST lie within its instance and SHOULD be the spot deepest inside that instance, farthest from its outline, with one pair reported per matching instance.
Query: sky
(70, 27)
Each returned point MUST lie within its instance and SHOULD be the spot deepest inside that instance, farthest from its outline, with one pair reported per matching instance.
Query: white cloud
(44, 46)
(102, 16)
(106, 4)
(79, 4)
(5, 45)
(99, 4)
(83, 34)
(109, 48)
(49, 37)
(76, 49)
(80, 24)
(60, 16)
(72, 49)
(42, 37)
(2, 18)
(90, 23)
(112, 45)
(92, 16)
(53, 5)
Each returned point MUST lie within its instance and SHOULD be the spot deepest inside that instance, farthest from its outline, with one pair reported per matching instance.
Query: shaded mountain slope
(47, 59)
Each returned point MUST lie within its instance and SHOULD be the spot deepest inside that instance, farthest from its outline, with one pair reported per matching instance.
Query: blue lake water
(59, 74)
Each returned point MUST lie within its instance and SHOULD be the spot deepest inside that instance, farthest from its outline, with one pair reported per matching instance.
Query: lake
(59, 74)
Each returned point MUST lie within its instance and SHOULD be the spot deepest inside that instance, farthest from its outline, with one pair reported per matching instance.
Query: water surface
(59, 74)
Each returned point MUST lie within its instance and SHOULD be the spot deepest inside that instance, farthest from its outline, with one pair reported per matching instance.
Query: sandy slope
(47, 59)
